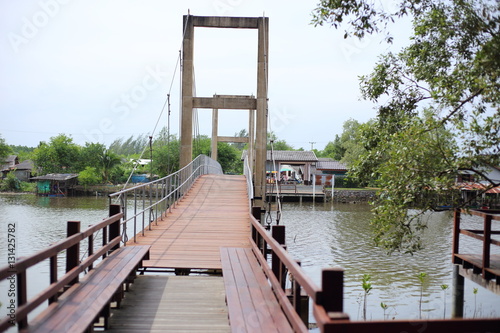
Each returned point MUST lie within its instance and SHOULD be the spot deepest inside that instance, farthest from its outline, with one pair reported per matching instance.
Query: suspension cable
(165, 103)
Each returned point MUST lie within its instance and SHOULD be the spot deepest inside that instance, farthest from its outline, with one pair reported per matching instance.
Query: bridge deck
(213, 214)
(173, 304)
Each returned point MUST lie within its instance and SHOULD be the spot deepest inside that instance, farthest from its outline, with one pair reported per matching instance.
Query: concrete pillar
(186, 118)
(261, 121)
(215, 124)
(251, 138)
(457, 310)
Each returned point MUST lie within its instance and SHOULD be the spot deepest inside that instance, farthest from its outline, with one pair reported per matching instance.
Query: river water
(320, 235)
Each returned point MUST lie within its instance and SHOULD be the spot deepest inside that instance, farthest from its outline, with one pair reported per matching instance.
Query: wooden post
(486, 245)
(456, 235)
(296, 293)
(278, 233)
(73, 252)
(53, 276)
(22, 298)
(457, 310)
(114, 228)
(332, 296)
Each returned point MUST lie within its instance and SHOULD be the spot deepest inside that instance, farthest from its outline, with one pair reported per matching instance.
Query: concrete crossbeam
(226, 22)
(225, 103)
(232, 139)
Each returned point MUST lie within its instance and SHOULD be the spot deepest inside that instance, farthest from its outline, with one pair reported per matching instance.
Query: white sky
(101, 70)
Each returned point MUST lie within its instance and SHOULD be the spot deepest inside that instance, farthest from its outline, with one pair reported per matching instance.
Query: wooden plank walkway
(213, 214)
(173, 304)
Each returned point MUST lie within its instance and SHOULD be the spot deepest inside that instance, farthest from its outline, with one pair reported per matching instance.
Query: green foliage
(367, 287)
(229, 158)
(444, 85)
(5, 150)
(276, 143)
(89, 176)
(22, 152)
(11, 183)
(166, 150)
(444, 287)
(130, 146)
(60, 155)
(422, 277)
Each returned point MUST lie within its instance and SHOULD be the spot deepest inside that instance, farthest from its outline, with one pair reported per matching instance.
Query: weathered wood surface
(173, 304)
(252, 305)
(77, 308)
(212, 214)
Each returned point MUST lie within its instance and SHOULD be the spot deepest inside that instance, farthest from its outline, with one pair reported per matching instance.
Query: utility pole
(312, 144)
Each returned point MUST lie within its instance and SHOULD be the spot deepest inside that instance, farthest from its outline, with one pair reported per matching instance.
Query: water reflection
(326, 235)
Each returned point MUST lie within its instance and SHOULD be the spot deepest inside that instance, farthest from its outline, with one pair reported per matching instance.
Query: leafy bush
(89, 176)
(10, 183)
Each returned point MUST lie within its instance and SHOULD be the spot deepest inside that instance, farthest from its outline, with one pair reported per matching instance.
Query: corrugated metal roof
(331, 165)
(292, 156)
(288, 156)
(479, 186)
(56, 176)
(25, 165)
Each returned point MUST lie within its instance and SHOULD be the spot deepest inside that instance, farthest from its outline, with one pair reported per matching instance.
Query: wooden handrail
(53, 250)
(327, 301)
(19, 268)
(311, 289)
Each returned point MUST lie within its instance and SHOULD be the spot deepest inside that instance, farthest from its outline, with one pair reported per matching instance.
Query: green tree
(60, 155)
(277, 144)
(91, 155)
(444, 84)
(89, 176)
(5, 150)
(165, 154)
(333, 149)
(108, 161)
(229, 158)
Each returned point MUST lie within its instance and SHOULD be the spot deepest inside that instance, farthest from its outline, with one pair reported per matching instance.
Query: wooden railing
(327, 300)
(16, 273)
(483, 235)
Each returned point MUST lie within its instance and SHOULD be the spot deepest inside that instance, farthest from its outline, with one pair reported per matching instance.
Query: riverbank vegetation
(438, 103)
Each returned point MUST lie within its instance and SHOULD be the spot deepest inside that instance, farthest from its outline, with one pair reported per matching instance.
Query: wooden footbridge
(200, 261)
(188, 253)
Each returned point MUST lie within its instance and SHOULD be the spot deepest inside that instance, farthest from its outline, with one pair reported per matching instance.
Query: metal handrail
(247, 171)
(154, 199)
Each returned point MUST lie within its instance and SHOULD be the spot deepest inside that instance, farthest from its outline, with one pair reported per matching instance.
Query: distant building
(23, 170)
(56, 184)
(290, 165)
(470, 184)
(326, 169)
(7, 164)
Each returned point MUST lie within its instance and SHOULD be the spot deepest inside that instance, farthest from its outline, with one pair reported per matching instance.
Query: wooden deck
(213, 214)
(173, 304)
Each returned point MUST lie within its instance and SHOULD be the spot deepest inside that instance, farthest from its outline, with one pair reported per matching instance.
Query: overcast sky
(101, 70)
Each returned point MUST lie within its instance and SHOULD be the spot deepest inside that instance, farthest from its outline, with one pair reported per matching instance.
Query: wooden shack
(56, 184)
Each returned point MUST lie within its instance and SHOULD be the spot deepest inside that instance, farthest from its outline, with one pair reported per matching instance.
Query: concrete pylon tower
(235, 102)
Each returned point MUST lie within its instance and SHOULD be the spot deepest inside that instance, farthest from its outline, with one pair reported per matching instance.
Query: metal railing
(155, 199)
(247, 171)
